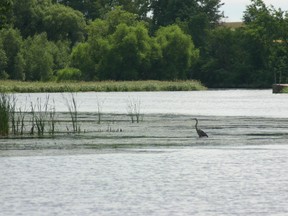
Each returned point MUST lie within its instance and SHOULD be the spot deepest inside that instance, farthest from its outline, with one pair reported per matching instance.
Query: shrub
(69, 74)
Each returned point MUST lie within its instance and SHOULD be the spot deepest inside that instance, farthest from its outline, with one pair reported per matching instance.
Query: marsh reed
(134, 109)
(5, 108)
(73, 112)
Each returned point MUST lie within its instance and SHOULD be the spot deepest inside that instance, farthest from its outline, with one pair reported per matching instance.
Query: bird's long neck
(196, 123)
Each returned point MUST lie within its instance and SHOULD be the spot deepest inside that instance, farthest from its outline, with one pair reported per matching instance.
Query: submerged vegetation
(104, 86)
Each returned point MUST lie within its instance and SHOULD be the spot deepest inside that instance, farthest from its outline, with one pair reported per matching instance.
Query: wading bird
(200, 132)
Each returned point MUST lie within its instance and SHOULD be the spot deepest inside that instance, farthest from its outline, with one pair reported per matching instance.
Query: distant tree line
(43, 40)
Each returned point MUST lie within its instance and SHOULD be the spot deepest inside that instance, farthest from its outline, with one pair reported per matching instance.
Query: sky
(233, 9)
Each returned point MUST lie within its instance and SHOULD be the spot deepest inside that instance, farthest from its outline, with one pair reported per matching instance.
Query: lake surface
(156, 167)
(259, 103)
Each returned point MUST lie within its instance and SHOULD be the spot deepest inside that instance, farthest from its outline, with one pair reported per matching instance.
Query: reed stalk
(39, 118)
(52, 120)
(5, 107)
(99, 109)
(73, 111)
(12, 115)
(20, 122)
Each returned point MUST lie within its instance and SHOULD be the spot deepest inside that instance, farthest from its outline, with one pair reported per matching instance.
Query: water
(254, 103)
(158, 167)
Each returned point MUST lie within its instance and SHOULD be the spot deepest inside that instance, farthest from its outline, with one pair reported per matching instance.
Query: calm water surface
(260, 103)
(236, 171)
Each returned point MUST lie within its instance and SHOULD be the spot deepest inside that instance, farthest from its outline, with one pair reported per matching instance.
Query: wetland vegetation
(41, 119)
(104, 86)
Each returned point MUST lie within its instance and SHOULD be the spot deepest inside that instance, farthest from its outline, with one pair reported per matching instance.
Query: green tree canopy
(62, 23)
(81, 58)
(130, 51)
(38, 57)
(269, 29)
(178, 53)
(5, 12)
(3, 63)
(12, 45)
(28, 16)
(196, 17)
(93, 9)
(120, 48)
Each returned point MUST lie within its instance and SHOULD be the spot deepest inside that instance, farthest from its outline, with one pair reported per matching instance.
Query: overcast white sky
(233, 9)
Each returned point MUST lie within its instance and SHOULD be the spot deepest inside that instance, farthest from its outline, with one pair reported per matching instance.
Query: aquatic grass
(101, 86)
(99, 109)
(12, 114)
(40, 117)
(17, 117)
(73, 111)
(134, 109)
(4, 114)
(20, 124)
(52, 120)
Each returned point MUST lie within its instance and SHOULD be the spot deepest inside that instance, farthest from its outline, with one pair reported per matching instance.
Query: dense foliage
(142, 40)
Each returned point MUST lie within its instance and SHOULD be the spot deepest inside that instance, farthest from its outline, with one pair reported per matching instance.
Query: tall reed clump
(5, 107)
(19, 129)
(42, 115)
(39, 117)
(17, 118)
(73, 111)
(134, 109)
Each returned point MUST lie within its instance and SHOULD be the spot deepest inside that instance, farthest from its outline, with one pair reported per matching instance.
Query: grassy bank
(105, 86)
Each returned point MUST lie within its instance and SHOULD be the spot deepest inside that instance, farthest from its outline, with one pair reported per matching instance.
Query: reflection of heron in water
(200, 132)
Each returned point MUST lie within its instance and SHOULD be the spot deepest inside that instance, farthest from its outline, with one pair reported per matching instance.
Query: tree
(104, 47)
(3, 64)
(5, 12)
(268, 27)
(119, 16)
(129, 52)
(61, 52)
(199, 15)
(12, 45)
(37, 54)
(178, 53)
(93, 9)
(166, 12)
(81, 59)
(28, 16)
(62, 23)
(139, 7)
(226, 59)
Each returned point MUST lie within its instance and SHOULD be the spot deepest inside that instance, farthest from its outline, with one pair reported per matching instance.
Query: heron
(200, 132)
